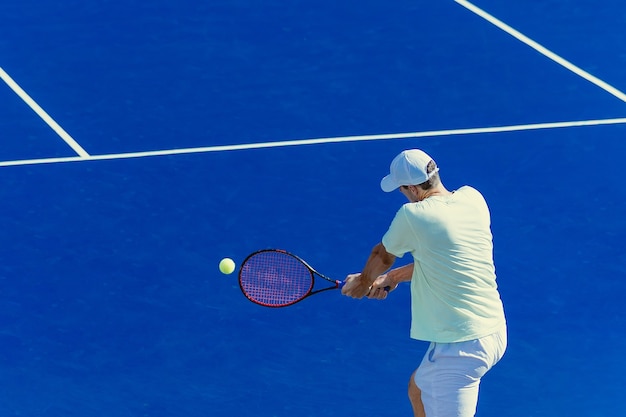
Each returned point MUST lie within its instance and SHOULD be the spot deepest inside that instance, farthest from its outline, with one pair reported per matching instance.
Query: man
(455, 303)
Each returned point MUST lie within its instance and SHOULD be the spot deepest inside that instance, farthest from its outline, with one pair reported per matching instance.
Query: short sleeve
(399, 238)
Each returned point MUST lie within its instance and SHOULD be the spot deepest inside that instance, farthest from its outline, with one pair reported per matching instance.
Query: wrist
(393, 277)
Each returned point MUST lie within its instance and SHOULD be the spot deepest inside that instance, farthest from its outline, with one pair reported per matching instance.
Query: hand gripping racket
(277, 278)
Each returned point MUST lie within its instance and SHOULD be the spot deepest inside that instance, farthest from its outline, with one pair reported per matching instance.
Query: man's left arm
(379, 261)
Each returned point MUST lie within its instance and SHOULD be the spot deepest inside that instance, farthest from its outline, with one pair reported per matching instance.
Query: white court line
(42, 113)
(84, 156)
(542, 50)
(260, 145)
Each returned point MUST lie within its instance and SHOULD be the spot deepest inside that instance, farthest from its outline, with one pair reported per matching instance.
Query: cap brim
(388, 184)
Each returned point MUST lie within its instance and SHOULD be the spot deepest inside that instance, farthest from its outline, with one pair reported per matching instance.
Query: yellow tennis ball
(227, 266)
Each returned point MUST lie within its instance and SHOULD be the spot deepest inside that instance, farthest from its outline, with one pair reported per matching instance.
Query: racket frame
(336, 283)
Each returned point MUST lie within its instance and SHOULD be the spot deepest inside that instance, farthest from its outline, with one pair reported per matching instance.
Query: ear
(411, 189)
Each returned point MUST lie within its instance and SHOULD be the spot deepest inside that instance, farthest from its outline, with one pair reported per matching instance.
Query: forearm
(378, 262)
(401, 274)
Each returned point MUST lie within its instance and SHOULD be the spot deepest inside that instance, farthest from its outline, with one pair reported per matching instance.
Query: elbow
(385, 257)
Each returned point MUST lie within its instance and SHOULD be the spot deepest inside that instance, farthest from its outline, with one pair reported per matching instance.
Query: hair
(432, 181)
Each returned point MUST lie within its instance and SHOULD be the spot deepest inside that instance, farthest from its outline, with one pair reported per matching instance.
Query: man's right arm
(401, 274)
(390, 280)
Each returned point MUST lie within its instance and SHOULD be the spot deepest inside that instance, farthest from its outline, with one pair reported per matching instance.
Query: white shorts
(450, 373)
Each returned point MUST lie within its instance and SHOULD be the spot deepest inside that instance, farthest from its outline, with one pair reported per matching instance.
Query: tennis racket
(277, 278)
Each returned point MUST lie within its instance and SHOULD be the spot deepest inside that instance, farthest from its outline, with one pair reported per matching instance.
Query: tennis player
(455, 302)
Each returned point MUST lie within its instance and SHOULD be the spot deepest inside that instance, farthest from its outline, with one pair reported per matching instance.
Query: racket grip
(340, 285)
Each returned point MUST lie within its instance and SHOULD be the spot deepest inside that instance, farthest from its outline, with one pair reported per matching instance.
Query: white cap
(408, 168)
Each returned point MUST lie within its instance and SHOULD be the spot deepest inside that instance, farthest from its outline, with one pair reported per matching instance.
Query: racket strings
(275, 279)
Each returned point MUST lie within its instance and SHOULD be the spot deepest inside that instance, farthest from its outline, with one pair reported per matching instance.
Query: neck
(439, 190)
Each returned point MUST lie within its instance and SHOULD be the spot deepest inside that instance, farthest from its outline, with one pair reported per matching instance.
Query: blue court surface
(168, 135)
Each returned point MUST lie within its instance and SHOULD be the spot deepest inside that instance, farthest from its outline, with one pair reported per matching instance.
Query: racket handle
(340, 285)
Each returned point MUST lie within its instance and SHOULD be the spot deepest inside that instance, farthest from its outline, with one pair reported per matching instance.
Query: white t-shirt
(454, 296)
